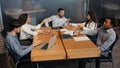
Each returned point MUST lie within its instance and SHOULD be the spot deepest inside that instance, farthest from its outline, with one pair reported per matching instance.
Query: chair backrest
(117, 30)
(116, 51)
(117, 36)
(116, 54)
(10, 54)
(50, 24)
(111, 48)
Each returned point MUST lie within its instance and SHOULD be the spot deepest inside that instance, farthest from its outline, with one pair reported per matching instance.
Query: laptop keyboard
(45, 46)
(66, 36)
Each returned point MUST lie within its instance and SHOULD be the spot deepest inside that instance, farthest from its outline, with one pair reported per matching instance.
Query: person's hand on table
(76, 32)
(39, 31)
(45, 31)
(81, 25)
(36, 42)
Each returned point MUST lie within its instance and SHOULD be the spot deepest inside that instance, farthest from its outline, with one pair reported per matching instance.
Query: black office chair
(49, 23)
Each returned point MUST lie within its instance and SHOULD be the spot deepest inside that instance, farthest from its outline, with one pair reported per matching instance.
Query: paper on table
(74, 24)
(63, 30)
(81, 38)
(69, 32)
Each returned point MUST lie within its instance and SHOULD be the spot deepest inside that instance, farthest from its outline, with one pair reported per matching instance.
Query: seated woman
(91, 23)
(27, 30)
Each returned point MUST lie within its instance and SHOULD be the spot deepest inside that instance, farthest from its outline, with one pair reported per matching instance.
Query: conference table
(63, 48)
(80, 49)
(56, 52)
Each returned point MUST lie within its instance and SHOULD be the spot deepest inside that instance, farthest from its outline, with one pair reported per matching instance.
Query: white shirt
(90, 26)
(27, 31)
(56, 21)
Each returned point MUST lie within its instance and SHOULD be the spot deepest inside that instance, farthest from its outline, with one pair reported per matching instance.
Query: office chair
(107, 58)
(15, 62)
(116, 53)
(49, 23)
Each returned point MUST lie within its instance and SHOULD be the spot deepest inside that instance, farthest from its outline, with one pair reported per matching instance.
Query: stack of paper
(81, 38)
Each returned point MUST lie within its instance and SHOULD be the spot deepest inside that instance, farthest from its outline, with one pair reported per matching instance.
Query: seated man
(106, 35)
(14, 45)
(57, 20)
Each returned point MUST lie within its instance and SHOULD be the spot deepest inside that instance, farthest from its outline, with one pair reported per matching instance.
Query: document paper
(81, 38)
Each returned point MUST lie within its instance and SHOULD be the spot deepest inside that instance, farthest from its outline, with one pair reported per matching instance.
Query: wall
(105, 8)
(74, 9)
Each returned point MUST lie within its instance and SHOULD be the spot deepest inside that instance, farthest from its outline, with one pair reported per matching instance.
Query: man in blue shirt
(106, 35)
(13, 43)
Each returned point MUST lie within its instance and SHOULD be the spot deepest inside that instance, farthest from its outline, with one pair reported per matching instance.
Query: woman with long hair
(91, 22)
(28, 30)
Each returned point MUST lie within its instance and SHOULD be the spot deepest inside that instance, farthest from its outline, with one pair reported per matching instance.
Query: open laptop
(46, 46)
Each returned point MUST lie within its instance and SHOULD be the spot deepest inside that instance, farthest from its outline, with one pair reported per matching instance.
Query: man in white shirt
(57, 20)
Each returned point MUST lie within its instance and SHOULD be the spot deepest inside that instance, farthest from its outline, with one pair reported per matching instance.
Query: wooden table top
(56, 52)
(72, 50)
(80, 49)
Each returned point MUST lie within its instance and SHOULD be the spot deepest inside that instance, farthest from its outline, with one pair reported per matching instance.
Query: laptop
(66, 36)
(46, 46)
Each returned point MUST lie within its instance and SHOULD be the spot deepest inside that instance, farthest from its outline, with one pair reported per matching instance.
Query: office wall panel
(74, 9)
(105, 8)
